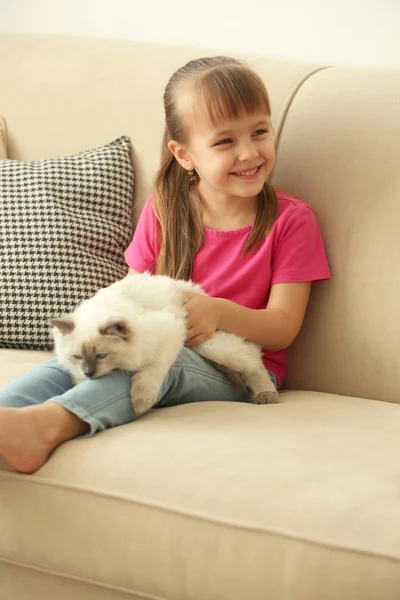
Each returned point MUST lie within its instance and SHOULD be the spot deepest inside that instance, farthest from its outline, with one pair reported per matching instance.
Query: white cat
(138, 324)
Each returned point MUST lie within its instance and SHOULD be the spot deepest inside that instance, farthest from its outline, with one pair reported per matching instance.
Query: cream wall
(341, 32)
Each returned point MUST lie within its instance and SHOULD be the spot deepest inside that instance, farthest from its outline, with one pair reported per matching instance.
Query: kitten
(138, 324)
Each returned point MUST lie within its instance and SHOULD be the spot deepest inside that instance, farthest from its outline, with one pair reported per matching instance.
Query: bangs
(226, 92)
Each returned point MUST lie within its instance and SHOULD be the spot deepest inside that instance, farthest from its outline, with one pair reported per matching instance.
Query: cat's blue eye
(78, 356)
(101, 355)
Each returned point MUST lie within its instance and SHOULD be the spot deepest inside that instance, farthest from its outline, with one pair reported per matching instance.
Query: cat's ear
(65, 323)
(116, 327)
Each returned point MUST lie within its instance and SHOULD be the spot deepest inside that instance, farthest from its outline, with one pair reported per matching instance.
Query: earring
(192, 176)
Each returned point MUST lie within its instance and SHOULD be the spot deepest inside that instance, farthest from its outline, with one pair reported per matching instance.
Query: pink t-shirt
(293, 252)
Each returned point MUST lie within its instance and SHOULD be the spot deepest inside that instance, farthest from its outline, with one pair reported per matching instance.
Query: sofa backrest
(340, 151)
(338, 142)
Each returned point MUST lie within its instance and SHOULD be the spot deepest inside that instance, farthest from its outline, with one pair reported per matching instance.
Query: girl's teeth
(247, 172)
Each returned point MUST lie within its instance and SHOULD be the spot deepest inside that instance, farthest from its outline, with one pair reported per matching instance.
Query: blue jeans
(105, 402)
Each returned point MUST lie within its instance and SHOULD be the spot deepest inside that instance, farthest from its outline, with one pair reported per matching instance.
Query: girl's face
(233, 158)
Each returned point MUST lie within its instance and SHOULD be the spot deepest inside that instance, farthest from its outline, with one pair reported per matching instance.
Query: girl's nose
(247, 152)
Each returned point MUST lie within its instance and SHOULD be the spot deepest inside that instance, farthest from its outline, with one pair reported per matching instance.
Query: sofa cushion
(3, 139)
(64, 223)
(296, 500)
(14, 363)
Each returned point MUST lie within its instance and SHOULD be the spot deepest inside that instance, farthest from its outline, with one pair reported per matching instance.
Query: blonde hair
(226, 88)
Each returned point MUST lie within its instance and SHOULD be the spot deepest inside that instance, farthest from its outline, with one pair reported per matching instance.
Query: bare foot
(28, 435)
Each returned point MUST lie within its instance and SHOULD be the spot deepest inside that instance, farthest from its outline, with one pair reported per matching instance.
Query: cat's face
(94, 354)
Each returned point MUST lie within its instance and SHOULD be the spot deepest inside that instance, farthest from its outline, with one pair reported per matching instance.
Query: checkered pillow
(64, 225)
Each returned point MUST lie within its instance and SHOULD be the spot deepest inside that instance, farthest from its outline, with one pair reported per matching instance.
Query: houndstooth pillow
(64, 225)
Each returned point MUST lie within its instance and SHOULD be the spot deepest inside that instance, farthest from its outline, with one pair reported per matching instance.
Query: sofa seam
(199, 516)
(289, 101)
(78, 578)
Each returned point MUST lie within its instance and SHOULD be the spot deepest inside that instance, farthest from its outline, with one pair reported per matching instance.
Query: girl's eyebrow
(263, 122)
(254, 126)
(220, 134)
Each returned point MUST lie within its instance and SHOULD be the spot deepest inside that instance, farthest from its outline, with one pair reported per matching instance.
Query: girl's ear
(180, 152)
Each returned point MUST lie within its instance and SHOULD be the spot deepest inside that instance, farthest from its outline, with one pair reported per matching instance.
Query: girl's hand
(202, 318)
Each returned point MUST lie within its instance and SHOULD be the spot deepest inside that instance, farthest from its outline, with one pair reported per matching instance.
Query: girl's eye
(101, 355)
(78, 356)
(224, 142)
(260, 132)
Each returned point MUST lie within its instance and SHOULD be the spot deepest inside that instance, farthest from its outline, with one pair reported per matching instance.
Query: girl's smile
(249, 174)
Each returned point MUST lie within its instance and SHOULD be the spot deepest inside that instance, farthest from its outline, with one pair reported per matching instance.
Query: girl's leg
(105, 402)
(97, 404)
(45, 381)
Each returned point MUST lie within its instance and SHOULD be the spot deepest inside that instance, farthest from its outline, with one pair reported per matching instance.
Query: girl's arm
(272, 328)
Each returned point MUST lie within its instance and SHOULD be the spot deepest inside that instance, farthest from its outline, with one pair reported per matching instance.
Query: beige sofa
(298, 501)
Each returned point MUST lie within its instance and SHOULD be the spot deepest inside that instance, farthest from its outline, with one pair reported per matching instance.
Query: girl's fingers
(191, 333)
(197, 339)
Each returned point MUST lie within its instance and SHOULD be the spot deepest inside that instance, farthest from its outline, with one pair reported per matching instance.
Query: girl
(213, 217)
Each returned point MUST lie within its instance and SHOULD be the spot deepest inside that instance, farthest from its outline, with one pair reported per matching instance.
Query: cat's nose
(90, 372)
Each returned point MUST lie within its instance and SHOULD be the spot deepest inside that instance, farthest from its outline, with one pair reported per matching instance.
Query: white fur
(152, 306)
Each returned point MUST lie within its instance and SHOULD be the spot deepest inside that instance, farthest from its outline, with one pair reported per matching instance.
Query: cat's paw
(142, 398)
(270, 397)
(142, 404)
